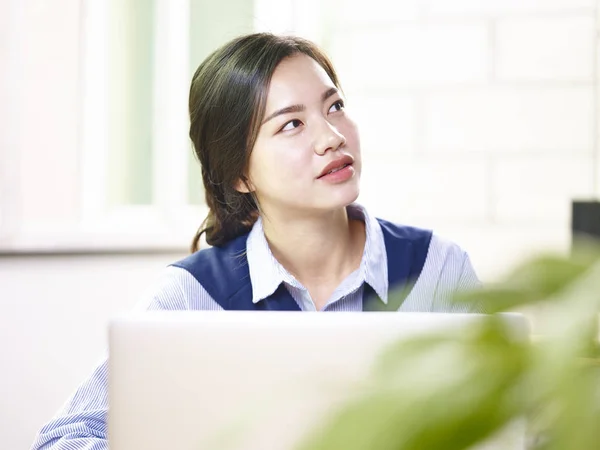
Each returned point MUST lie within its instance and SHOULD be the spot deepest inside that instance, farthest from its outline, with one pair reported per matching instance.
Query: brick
(496, 7)
(273, 16)
(510, 119)
(409, 188)
(540, 189)
(386, 124)
(309, 21)
(546, 49)
(377, 12)
(412, 55)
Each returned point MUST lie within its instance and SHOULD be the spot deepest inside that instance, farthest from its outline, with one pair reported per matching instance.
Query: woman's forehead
(297, 78)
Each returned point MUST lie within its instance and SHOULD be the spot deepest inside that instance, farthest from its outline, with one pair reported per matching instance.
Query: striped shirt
(82, 422)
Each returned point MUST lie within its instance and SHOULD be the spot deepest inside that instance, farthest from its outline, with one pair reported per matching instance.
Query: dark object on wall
(585, 219)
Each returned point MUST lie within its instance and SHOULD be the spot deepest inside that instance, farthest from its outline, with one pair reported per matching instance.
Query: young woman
(281, 165)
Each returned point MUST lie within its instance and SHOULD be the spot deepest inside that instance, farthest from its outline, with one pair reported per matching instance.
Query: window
(112, 166)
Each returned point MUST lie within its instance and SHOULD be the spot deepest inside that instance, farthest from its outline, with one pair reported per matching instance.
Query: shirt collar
(266, 273)
(373, 265)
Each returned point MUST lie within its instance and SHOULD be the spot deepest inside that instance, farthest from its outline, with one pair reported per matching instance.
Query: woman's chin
(343, 198)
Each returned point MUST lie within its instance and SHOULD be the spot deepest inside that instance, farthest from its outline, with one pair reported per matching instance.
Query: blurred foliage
(457, 391)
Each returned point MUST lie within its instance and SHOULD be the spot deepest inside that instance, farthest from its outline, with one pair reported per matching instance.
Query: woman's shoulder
(176, 289)
(447, 270)
(441, 256)
(229, 258)
(437, 246)
(445, 248)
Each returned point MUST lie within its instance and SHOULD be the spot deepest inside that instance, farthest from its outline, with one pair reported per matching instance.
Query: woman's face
(306, 158)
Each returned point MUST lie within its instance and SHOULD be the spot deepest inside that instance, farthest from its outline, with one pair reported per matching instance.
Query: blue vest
(223, 272)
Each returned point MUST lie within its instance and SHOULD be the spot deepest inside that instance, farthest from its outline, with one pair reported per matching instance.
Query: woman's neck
(321, 249)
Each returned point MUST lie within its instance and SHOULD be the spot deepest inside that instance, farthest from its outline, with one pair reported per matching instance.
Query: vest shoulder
(214, 256)
(222, 271)
(405, 232)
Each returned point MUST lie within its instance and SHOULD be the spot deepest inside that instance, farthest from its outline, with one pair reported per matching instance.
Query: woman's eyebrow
(328, 93)
(286, 110)
(299, 108)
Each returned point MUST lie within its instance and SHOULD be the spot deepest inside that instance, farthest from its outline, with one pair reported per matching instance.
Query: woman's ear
(243, 185)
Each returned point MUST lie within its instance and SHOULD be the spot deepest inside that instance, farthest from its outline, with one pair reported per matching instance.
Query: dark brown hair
(227, 103)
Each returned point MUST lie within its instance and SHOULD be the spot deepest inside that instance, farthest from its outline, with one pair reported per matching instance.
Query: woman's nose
(328, 139)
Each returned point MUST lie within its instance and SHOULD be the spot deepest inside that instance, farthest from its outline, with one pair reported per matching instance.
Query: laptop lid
(246, 380)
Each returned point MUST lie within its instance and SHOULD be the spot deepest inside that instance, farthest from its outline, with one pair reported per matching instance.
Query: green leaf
(434, 393)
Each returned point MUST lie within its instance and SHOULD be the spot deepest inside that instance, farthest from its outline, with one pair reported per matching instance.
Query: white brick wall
(392, 56)
(538, 188)
(511, 119)
(458, 8)
(441, 188)
(550, 48)
(378, 11)
(395, 129)
(478, 118)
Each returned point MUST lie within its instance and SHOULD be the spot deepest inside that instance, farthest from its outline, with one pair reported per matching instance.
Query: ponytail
(226, 220)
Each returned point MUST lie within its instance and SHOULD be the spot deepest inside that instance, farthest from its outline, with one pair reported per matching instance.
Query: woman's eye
(291, 125)
(337, 106)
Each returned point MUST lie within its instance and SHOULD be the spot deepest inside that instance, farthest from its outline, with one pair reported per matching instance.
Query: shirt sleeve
(81, 425)
(448, 271)
(457, 275)
(468, 281)
(82, 422)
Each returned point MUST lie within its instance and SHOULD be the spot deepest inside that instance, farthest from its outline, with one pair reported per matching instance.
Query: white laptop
(248, 380)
